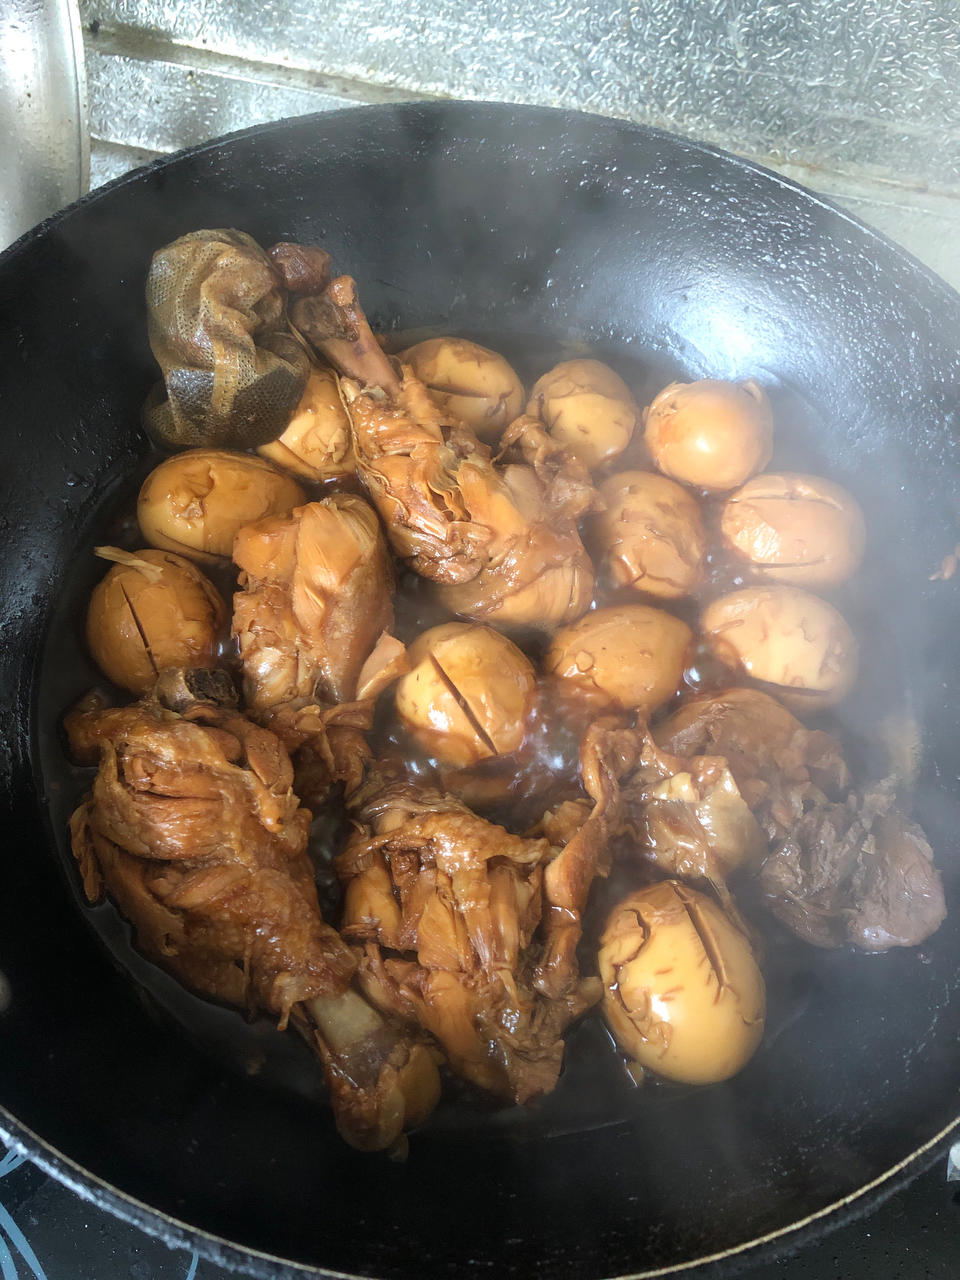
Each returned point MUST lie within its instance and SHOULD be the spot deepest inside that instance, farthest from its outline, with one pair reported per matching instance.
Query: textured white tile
(832, 82)
(161, 106)
(109, 160)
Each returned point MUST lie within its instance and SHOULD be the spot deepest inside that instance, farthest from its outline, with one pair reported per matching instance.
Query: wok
(509, 223)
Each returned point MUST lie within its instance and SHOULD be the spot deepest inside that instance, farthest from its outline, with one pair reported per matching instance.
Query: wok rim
(180, 1235)
(177, 1234)
(492, 105)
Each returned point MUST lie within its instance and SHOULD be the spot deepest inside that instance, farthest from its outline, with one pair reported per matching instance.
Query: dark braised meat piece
(535, 571)
(856, 873)
(193, 828)
(407, 457)
(183, 689)
(327, 743)
(303, 268)
(844, 867)
(780, 767)
(334, 322)
(420, 473)
(690, 820)
(445, 907)
(196, 832)
(189, 690)
(565, 485)
(582, 833)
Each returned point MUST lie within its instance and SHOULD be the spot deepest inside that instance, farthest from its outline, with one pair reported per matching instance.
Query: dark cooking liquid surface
(595, 1089)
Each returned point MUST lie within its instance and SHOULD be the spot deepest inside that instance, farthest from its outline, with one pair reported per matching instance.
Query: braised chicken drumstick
(311, 621)
(194, 829)
(446, 909)
(317, 591)
(501, 543)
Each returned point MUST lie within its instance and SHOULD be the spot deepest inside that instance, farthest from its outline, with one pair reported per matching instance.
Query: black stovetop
(49, 1233)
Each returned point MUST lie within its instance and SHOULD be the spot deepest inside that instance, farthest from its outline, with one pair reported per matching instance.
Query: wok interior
(517, 228)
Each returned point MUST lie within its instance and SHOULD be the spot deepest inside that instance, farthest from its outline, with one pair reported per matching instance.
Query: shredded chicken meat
(778, 764)
(857, 873)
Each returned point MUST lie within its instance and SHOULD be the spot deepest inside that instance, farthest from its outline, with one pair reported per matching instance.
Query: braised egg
(316, 444)
(785, 637)
(628, 656)
(468, 694)
(195, 502)
(650, 534)
(587, 407)
(682, 992)
(710, 434)
(153, 610)
(472, 383)
(797, 529)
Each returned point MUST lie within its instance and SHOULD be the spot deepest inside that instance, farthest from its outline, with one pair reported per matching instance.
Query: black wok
(509, 223)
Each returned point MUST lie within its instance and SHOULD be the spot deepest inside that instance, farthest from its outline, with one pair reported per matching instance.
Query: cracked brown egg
(195, 502)
(468, 695)
(785, 637)
(797, 529)
(683, 994)
(710, 434)
(316, 443)
(630, 656)
(650, 535)
(152, 610)
(470, 382)
(587, 407)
